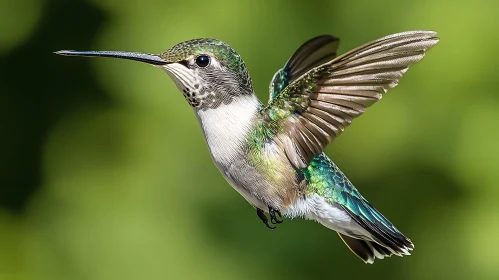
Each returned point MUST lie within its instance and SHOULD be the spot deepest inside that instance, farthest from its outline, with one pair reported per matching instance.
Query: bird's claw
(273, 217)
(262, 217)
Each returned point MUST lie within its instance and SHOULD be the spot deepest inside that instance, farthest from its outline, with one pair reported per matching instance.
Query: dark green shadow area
(38, 89)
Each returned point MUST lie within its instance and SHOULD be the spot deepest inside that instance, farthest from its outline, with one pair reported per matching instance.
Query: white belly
(243, 191)
(226, 129)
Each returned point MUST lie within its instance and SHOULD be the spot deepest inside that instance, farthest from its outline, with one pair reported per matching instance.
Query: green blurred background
(104, 172)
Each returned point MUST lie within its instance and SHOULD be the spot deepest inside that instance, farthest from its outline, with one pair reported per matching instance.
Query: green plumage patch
(221, 50)
(327, 180)
(262, 133)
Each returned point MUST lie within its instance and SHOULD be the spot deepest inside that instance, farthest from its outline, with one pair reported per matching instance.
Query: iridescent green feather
(326, 179)
(221, 50)
(279, 82)
(294, 98)
(262, 133)
(310, 54)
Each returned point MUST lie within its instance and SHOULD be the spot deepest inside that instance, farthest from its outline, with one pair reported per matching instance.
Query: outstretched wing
(311, 54)
(317, 106)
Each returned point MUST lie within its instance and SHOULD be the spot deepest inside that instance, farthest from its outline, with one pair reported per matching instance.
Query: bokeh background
(104, 172)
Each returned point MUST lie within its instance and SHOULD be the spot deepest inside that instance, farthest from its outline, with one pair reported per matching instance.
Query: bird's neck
(226, 127)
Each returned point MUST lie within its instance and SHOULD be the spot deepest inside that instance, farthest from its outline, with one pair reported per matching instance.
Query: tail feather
(365, 250)
(382, 231)
(383, 252)
(359, 247)
(338, 205)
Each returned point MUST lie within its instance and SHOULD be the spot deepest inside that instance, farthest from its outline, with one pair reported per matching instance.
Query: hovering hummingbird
(273, 154)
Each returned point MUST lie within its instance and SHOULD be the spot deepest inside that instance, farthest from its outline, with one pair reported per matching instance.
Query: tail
(365, 250)
(338, 205)
(384, 239)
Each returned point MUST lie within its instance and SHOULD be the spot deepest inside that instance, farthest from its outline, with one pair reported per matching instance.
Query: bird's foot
(273, 218)
(262, 217)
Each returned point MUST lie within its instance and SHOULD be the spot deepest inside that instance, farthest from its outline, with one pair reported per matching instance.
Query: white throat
(227, 127)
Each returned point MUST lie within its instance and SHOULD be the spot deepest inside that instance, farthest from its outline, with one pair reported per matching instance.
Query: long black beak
(143, 57)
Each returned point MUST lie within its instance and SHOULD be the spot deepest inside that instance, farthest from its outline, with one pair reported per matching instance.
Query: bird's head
(207, 71)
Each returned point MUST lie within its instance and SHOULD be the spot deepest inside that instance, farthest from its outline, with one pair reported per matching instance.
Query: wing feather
(311, 54)
(316, 106)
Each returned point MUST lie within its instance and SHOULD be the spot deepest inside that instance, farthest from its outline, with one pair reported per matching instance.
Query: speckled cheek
(186, 81)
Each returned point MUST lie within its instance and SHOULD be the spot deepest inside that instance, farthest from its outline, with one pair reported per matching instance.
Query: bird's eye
(203, 60)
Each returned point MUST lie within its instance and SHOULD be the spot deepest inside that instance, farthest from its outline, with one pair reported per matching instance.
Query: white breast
(226, 127)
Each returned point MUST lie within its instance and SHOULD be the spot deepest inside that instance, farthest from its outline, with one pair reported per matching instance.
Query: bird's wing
(311, 54)
(317, 106)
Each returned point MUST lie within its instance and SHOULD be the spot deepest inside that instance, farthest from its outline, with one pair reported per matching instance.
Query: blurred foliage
(105, 174)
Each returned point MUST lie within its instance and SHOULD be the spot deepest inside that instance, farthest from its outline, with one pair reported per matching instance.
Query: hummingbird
(273, 154)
